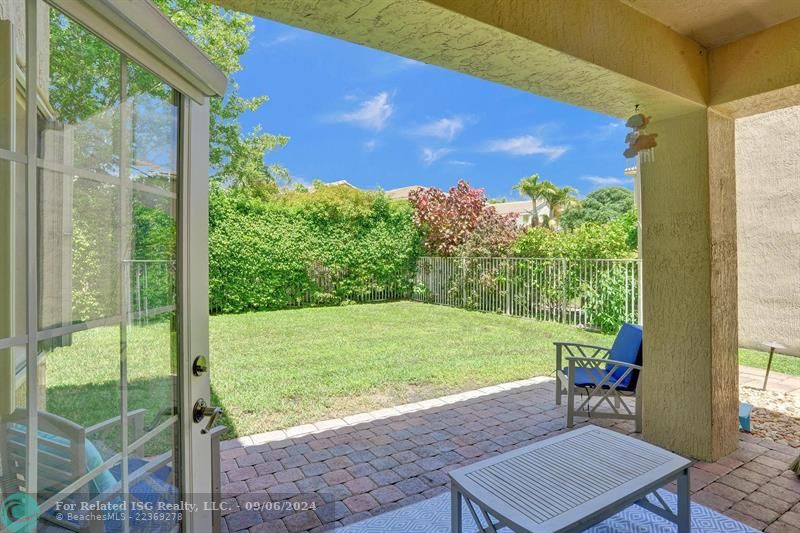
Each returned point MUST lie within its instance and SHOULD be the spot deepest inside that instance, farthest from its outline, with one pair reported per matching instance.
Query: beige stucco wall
(768, 228)
(689, 386)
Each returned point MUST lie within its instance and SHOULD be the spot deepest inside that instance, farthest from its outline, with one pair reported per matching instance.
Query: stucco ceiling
(713, 23)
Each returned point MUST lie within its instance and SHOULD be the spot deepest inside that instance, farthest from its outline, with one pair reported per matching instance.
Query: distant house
(522, 208)
(401, 193)
(343, 183)
(524, 211)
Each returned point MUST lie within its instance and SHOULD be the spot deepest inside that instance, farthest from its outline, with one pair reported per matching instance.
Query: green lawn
(780, 363)
(281, 368)
(276, 369)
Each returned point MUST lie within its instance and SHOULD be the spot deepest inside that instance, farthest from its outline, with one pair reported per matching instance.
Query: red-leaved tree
(449, 219)
(493, 236)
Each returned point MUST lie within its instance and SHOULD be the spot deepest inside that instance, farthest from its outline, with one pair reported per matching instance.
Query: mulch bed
(776, 415)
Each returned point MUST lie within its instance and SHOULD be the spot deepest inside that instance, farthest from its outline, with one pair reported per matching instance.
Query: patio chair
(66, 453)
(603, 375)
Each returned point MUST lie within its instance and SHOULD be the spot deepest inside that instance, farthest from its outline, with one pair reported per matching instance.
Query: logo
(19, 513)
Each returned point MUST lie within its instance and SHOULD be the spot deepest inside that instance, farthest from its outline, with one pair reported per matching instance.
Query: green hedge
(326, 246)
(589, 241)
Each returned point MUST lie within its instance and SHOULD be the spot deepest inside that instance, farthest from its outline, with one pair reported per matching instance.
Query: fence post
(564, 283)
(463, 282)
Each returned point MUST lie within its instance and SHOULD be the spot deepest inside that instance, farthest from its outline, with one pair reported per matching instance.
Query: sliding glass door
(90, 343)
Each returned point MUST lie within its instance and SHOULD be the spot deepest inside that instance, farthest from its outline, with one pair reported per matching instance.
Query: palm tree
(533, 189)
(558, 199)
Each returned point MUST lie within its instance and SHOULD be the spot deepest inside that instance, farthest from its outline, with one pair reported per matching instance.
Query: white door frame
(129, 27)
(193, 285)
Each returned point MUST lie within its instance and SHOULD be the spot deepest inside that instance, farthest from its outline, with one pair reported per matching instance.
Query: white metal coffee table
(569, 483)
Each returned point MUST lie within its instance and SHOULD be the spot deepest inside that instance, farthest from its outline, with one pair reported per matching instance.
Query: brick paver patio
(367, 464)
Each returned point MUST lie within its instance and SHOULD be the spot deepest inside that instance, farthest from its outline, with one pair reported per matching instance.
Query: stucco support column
(690, 378)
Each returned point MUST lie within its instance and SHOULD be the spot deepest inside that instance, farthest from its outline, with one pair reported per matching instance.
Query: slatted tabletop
(568, 480)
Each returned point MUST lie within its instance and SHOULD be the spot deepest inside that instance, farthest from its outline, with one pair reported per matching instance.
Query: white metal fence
(600, 293)
(151, 286)
(331, 286)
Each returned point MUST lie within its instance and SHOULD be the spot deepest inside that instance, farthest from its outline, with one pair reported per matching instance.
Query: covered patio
(696, 68)
(712, 76)
(339, 472)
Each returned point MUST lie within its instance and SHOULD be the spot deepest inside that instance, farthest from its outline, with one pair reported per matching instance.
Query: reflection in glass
(12, 77)
(79, 419)
(81, 383)
(79, 232)
(13, 250)
(151, 339)
(13, 417)
(80, 128)
(13, 283)
(154, 130)
(153, 478)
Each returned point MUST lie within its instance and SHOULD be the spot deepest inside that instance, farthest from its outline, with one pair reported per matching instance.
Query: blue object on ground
(433, 516)
(745, 409)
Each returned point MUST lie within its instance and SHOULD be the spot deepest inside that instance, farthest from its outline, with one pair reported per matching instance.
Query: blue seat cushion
(152, 490)
(627, 348)
(587, 377)
(590, 377)
(51, 445)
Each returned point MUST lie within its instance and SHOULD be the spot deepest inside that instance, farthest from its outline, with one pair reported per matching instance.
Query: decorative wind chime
(638, 140)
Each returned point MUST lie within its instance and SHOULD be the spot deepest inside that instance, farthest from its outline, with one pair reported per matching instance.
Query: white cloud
(460, 163)
(607, 181)
(280, 39)
(370, 145)
(393, 65)
(431, 155)
(607, 131)
(408, 62)
(526, 145)
(444, 128)
(371, 114)
(301, 180)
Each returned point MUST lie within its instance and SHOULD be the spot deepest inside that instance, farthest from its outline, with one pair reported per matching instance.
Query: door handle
(201, 410)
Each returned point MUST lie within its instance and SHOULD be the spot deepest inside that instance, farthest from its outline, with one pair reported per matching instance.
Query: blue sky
(380, 120)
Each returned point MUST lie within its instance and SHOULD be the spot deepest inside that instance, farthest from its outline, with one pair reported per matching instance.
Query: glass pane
(80, 127)
(152, 374)
(151, 333)
(154, 130)
(12, 81)
(151, 469)
(79, 417)
(107, 252)
(152, 265)
(13, 250)
(151, 325)
(70, 511)
(13, 419)
(79, 250)
(80, 382)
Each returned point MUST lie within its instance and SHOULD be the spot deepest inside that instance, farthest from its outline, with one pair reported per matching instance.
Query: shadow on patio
(338, 476)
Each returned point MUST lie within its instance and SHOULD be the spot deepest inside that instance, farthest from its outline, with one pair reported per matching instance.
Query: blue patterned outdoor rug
(433, 516)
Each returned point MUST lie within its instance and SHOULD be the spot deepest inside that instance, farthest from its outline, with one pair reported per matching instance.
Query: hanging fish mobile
(638, 140)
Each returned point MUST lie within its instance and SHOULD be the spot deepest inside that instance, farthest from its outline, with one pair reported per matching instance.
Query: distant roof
(401, 193)
(520, 206)
(341, 182)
